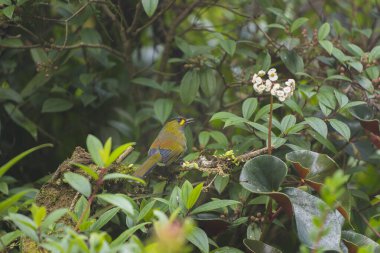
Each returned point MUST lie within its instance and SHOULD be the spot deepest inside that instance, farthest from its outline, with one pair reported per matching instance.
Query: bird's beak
(189, 121)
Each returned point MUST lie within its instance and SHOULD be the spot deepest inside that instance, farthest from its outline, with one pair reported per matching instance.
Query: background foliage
(120, 69)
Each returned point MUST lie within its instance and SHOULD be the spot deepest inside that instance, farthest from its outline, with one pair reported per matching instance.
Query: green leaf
(208, 82)
(79, 183)
(38, 214)
(8, 238)
(10, 94)
(338, 77)
(287, 122)
(341, 98)
(94, 147)
(372, 72)
(199, 238)
(39, 55)
(292, 61)
(323, 140)
(374, 54)
(305, 208)
(355, 50)
(214, 205)
(149, 6)
(189, 86)
(229, 46)
(298, 23)
(163, 108)
(146, 210)
(126, 234)
(118, 200)
(323, 31)
(341, 128)
(25, 224)
(312, 166)
(264, 111)
(219, 137)
(53, 217)
(356, 240)
(222, 116)
(4, 168)
(194, 195)
(263, 174)
(220, 183)
(365, 83)
(117, 152)
(56, 105)
(318, 125)
(249, 107)
(264, 60)
(7, 203)
(114, 176)
(8, 11)
(89, 171)
(259, 247)
(294, 106)
(203, 138)
(104, 219)
(356, 65)
(327, 45)
(19, 118)
(186, 190)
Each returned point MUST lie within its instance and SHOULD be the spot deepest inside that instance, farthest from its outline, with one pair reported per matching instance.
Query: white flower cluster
(282, 92)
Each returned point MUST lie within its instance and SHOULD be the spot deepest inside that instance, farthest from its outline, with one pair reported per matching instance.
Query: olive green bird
(168, 147)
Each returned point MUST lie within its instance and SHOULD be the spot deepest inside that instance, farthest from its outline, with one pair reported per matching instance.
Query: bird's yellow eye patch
(182, 122)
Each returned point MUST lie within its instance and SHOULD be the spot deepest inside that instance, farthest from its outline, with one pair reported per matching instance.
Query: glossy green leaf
(163, 108)
(104, 219)
(8, 11)
(88, 170)
(220, 183)
(305, 208)
(249, 106)
(355, 50)
(287, 122)
(25, 224)
(194, 195)
(323, 31)
(374, 54)
(214, 205)
(186, 190)
(94, 147)
(115, 176)
(199, 238)
(127, 234)
(264, 111)
(208, 82)
(365, 83)
(312, 166)
(56, 105)
(149, 6)
(318, 125)
(8, 238)
(229, 46)
(256, 246)
(263, 174)
(118, 200)
(219, 137)
(53, 217)
(327, 45)
(189, 86)
(354, 240)
(7, 203)
(292, 61)
(203, 138)
(298, 23)
(4, 168)
(79, 183)
(115, 154)
(20, 119)
(328, 144)
(341, 128)
(146, 210)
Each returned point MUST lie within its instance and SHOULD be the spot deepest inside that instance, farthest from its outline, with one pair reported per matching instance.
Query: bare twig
(124, 155)
(252, 154)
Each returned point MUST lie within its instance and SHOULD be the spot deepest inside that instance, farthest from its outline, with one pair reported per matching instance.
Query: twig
(252, 154)
(124, 155)
(368, 224)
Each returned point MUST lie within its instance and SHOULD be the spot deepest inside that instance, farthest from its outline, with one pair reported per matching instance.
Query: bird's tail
(148, 165)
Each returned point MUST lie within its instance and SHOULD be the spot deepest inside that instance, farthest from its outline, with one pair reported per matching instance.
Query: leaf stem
(270, 126)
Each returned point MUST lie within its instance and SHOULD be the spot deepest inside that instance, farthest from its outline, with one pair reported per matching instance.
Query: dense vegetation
(283, 156)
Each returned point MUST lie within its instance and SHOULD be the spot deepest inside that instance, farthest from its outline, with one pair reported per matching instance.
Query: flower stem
(270, 126)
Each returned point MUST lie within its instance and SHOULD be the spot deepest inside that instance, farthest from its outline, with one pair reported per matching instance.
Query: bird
(168, 147)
